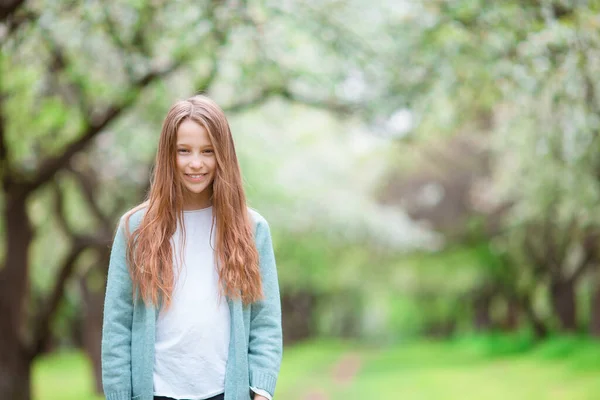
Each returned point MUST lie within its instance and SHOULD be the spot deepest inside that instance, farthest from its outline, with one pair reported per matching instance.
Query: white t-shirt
(192, 335)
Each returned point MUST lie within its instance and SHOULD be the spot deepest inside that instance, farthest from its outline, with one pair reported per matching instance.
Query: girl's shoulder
(257, 219)
(132, 218)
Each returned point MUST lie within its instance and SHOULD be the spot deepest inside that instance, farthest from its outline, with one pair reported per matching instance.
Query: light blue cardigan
(128, 331)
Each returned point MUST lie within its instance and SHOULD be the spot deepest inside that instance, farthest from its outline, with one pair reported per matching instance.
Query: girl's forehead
(191, 132)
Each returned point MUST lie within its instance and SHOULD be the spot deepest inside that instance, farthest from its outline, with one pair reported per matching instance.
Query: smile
(196, 177)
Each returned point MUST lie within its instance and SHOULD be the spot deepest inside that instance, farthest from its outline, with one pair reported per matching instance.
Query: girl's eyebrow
(201, 146)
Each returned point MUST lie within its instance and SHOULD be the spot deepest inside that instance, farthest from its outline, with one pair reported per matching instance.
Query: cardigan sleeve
(265, 346)
(261, 392)
(117, 322)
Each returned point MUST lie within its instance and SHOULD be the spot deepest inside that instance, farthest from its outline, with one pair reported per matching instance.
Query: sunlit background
(430, 170)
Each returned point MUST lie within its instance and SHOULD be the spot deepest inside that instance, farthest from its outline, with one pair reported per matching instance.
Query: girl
(192, 308)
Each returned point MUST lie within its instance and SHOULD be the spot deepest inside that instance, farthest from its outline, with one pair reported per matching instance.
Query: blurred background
(430, 170)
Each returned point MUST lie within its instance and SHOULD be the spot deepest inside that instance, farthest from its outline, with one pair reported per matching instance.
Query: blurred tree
(92, 278)
(65, 89)
(519, 75)
(67, 113)
(546, 152)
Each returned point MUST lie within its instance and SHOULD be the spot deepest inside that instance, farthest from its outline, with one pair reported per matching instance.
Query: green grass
(492, 367)
(63, 376)
(440, 371)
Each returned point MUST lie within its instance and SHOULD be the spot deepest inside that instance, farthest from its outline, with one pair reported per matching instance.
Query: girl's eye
(182, 151)
(208, 151)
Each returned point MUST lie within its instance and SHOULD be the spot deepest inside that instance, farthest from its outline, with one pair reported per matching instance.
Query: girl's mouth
(195, 177)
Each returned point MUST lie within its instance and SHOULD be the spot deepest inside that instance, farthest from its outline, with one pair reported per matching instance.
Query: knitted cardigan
(128, 331)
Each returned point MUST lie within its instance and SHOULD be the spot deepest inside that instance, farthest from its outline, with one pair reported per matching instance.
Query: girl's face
(196, 164)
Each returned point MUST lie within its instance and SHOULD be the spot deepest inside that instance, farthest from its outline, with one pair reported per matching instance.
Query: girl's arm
(265, 345)
(116, 327)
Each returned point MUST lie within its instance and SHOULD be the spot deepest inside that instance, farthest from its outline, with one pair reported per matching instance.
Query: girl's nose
(196, 162)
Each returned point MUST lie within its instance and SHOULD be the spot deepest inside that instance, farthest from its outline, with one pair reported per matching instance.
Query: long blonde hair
(149, 252)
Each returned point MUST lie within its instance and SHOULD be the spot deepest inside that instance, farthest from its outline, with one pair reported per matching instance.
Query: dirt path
(342, 374)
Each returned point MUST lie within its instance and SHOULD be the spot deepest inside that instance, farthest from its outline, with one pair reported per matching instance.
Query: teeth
(195, 176)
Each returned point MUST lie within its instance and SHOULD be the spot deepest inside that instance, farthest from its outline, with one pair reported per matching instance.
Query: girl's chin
(196, 188)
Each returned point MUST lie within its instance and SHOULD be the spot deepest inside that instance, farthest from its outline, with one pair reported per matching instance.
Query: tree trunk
(595, 310)
(440, 329)
(511, 318)
(93, 307)
(15, 359)
(15, 375)
(539, 328)
(348, 309)
(482, 318)
(563, 304)
(297, 310)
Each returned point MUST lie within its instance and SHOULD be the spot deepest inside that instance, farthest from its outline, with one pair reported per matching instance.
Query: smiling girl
(192, 308)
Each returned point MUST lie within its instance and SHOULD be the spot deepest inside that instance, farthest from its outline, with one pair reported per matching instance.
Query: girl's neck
(196, 201)
(196, 208)
(191, 206)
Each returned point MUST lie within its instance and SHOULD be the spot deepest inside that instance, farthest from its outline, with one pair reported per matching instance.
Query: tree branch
(550, 238)
(538, 261)
(44, 318)
(41, 329)
(327, 104)
(59, 64)
(138, 44)
(9, 7)
(581, 269)
(590, 248)
(17, 20)
(58, 211)
(266, 94)
(139, 39)
(248, 103)
(95, 125)
(222, 36)
(87, 183)
(4, 166)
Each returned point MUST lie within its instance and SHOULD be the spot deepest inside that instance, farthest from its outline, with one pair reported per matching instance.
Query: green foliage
(495, 344)
(64, 376)
(73, 66)
(521, 75)
(493, 367)
(51, 244)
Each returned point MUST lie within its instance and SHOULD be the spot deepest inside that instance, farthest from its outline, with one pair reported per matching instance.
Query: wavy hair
(149, 252)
